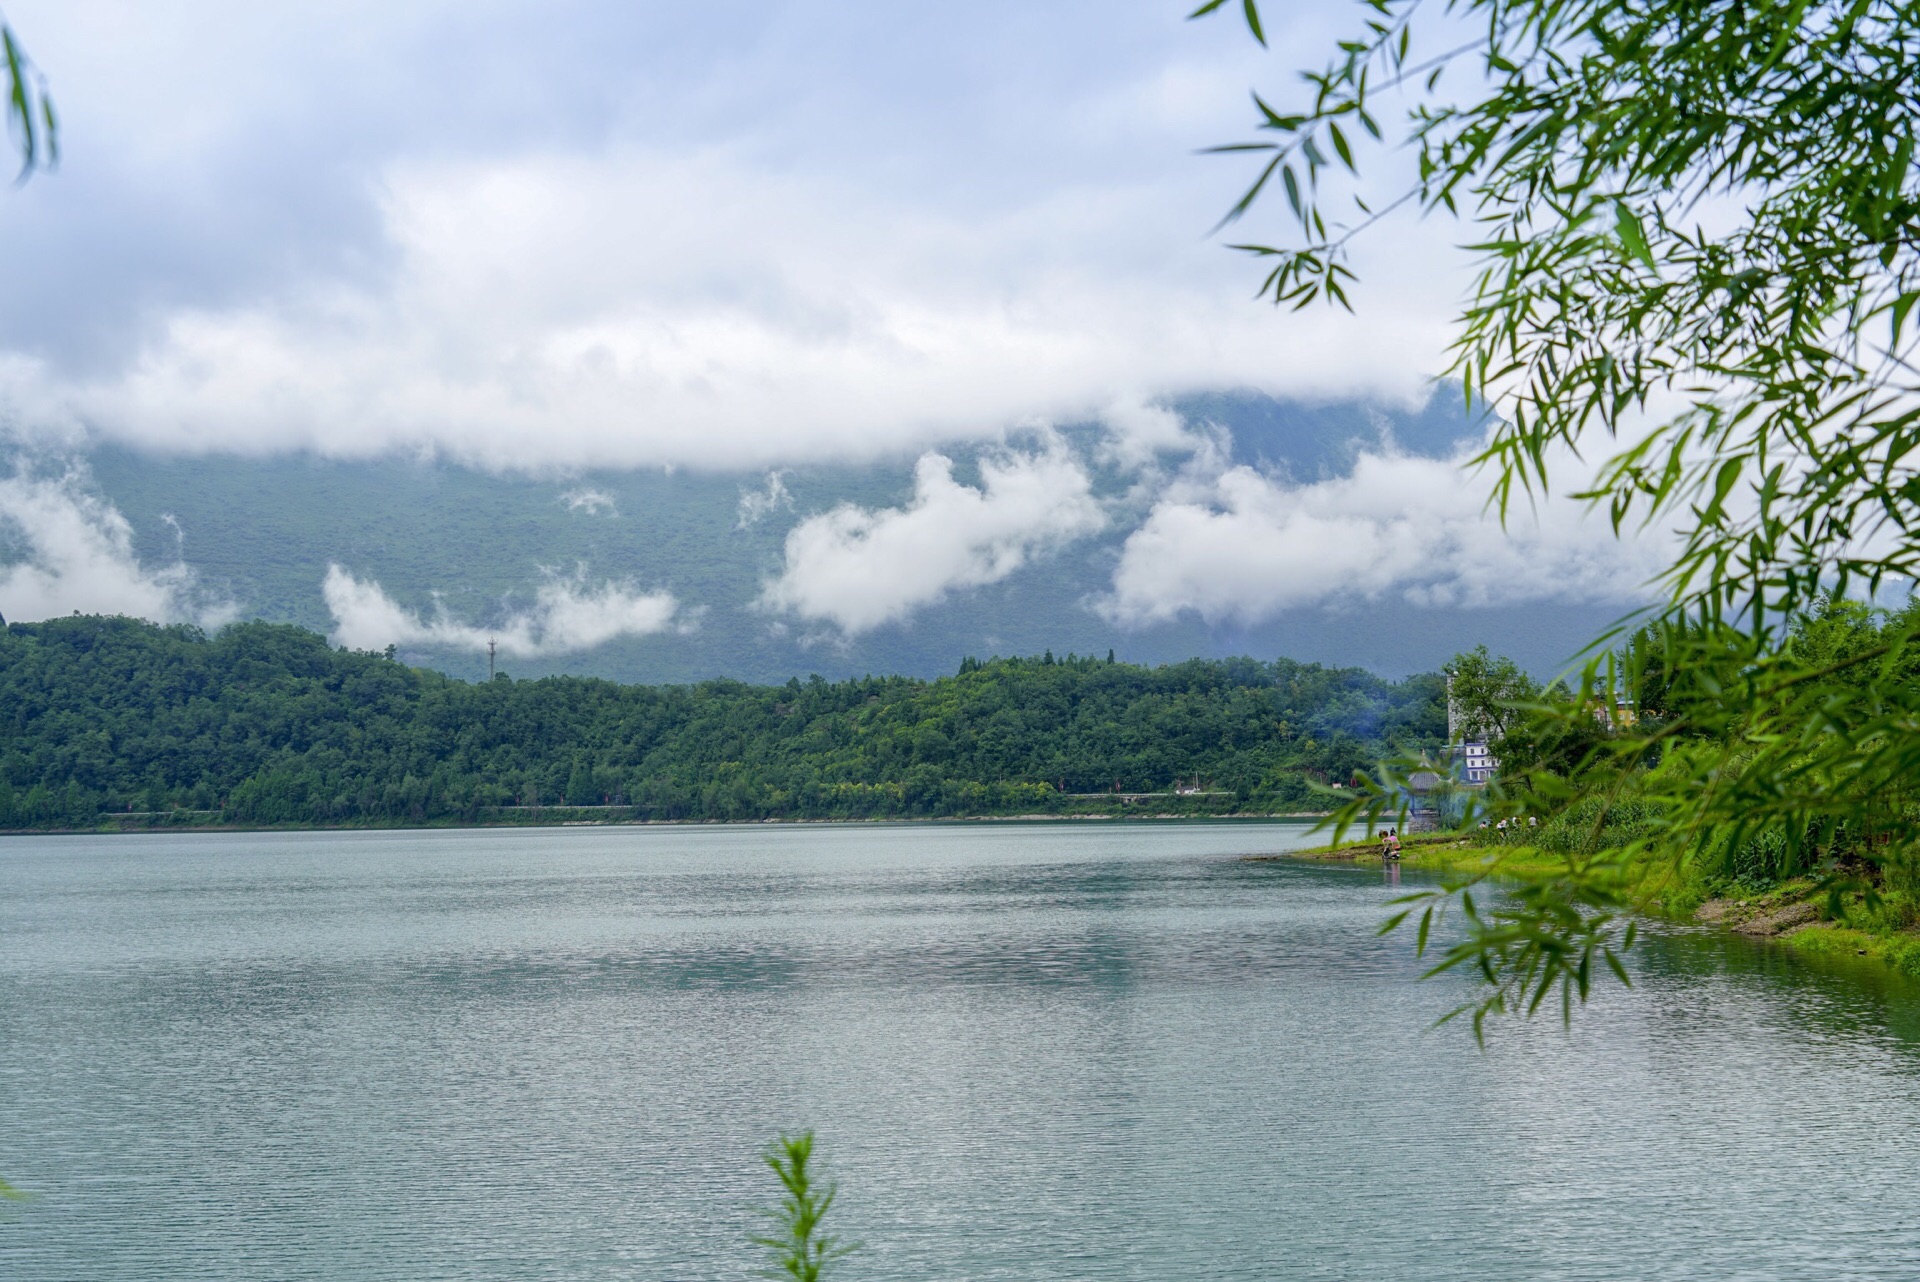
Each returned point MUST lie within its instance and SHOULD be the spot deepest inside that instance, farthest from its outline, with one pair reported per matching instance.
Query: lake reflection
(1032, 1052)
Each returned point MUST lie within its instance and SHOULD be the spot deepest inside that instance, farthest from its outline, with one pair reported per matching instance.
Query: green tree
(1697, 224)
(580, 791)
(1486, 695)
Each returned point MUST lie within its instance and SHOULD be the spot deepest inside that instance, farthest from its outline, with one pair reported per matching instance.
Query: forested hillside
(266, 724)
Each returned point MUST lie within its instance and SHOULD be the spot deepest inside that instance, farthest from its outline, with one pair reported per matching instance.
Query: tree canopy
(1485, 693)
(1697, 226)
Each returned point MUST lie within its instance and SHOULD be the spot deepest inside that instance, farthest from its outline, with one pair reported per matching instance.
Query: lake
(1042, 1051)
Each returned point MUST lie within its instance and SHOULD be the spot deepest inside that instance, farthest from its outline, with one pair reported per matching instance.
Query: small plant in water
(798, 1247)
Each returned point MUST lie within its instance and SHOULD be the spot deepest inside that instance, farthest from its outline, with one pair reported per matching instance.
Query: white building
(1474, 760)
(1477, 762)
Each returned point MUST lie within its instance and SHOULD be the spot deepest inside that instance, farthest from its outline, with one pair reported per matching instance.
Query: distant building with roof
(1473, 761)
(1424, 791)
(1477, 762)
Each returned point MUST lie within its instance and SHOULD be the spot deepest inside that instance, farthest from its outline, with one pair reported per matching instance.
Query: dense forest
(113, 720)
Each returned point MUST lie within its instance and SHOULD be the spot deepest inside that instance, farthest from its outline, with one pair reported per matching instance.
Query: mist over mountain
(753, 344)
(1219, 524)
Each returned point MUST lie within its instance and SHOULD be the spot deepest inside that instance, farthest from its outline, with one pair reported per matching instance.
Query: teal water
(1032, 1052)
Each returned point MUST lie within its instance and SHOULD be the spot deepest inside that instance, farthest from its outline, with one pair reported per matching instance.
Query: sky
(562, 236)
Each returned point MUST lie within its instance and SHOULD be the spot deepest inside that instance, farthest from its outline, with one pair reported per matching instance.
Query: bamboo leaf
(1340, 146)
(1633, 236)
(1251, 9)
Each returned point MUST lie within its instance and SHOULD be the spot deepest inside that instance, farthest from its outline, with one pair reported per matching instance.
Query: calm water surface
(1032, 1052)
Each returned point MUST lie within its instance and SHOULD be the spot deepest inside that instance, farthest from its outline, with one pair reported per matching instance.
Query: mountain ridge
(476, 545)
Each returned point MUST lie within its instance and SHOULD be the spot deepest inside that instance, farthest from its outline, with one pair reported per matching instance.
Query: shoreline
(1792, 914)
(163, 826)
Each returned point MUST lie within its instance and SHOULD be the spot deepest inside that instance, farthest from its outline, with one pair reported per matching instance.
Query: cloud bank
(73, 553)
(660, 235)
(860, 569)
(567, 616)
(1236, 546)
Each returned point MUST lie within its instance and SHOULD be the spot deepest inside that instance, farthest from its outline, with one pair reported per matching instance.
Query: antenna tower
(489, 658)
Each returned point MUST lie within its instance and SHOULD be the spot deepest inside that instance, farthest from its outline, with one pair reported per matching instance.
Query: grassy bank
(1800, 913)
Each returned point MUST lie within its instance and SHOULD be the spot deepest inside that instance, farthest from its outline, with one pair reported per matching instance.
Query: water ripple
(1100, 1053)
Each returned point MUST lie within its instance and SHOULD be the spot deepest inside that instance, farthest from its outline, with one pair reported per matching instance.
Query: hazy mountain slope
(264, 532)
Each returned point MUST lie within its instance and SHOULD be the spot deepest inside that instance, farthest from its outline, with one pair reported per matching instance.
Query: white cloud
(859, 569)
(172, 522)
(592, 502)
(756, 504)
(1139, 433)
(567, 616)
(634, 308)
(75, 554)
(1234, 545)
(649, 234)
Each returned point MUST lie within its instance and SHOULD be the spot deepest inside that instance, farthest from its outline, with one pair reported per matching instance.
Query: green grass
(1884, 931)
